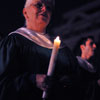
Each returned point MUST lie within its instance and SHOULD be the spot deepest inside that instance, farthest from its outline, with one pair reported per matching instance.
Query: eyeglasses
(40, 5)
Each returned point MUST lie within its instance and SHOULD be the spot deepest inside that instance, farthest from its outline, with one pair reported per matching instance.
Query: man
(89, 89)
(25, 55)
(87, 47)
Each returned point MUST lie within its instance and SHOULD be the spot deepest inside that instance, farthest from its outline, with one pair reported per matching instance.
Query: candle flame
(57, 41)
(57, 38)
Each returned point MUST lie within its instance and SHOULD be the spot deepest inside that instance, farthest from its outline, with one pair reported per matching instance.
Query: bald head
(51, 2)
(27, 3)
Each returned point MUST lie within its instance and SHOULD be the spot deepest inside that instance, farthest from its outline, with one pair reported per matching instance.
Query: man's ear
(82, 46)
(25, 13)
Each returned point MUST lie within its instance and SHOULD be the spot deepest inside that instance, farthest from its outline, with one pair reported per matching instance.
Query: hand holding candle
(51, 67)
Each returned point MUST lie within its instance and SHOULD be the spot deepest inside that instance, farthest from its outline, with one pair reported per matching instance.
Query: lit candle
(51, 67)
(56, 46)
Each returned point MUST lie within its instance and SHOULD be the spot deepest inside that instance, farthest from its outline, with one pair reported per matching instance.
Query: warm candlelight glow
(57, 42)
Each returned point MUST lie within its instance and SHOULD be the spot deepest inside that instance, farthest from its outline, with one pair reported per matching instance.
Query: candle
(56, 46)
(51, 67)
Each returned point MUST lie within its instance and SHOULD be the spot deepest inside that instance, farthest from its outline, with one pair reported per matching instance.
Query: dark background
(11, 16)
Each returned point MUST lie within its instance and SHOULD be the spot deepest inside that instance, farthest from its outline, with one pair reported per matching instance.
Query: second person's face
(90, 47)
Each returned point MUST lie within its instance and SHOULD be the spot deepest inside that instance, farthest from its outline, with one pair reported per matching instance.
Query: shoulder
(15, 40)
(11, 43)
(8, 44)
(7, 41)
(9, 38)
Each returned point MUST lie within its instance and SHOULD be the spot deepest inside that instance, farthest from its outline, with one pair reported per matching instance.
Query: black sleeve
(13, 80)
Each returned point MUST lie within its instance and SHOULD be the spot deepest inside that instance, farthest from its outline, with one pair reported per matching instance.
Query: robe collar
(85, 64)
(40, 39)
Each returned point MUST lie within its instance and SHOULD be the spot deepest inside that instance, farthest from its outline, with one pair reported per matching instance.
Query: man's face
(89, 47)
(38, 13)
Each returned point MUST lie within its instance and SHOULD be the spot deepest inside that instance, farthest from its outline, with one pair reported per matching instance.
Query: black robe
(21, 59)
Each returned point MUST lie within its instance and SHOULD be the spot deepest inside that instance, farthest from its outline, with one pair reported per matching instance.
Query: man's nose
(94, 45)
(43, 8)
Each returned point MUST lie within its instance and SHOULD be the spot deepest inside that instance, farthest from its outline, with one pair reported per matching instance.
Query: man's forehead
(50, 3)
